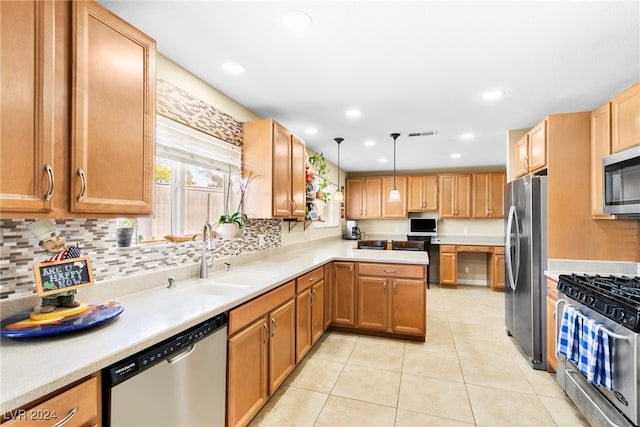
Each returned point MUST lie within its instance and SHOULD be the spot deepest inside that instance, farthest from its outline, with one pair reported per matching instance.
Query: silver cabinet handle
(387, 270)
(266, 332)
(67, 418)
(273, 322)
(384, 287)
(83, 184)
(52, 181)
(395, 284)
(311, 279)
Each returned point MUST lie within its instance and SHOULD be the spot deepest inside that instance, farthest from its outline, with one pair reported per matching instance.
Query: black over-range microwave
(423, 226)
(622, 183)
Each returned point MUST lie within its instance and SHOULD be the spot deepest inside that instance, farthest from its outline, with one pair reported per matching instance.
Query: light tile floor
(468, 372)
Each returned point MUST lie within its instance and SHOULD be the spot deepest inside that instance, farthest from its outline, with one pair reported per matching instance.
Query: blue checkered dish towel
(583, 341)
(570, 334)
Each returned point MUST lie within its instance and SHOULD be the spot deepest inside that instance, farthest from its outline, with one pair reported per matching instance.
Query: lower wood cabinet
(309, 311)
(448, 265)
(78, 405)
(391, 298)
(328, 293)
(261, 351)
(497, 269)
(343, 299)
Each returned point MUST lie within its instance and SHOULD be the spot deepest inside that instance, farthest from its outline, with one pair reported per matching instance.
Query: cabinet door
(297, 180)
(373, 307)
(600, 147)
(522, 156)
(281, 171)
(282, 348)
(497, 271)
(448, 268)
(372, 198)
(481, 190)
(408, 315)
(447, 196)
(247, 372)
(394, 209)
(27, 139)
(113, 114)
(538, 147)
(303, 324)
(317, 311)
(430, 193)
(328, 294)
(343, 298)
(462, 190)
(415, 202)
(625, 125)
(496, 195)
(355, 198)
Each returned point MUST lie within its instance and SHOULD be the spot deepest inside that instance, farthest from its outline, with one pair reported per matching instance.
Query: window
(192, 174)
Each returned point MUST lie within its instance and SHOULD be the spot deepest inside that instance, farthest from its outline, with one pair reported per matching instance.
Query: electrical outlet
(466, 269)
(465, 230)
(261, 241)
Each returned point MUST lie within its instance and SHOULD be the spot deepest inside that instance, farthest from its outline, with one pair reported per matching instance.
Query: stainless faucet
(207, 245)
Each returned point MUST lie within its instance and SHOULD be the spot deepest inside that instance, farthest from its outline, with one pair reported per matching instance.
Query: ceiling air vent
(428, 133)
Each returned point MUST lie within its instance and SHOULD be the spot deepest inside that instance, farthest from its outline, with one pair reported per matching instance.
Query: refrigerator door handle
(511, 274)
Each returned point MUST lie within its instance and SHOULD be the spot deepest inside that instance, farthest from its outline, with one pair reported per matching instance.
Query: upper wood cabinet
(275, 158)
(364, 198)
(102, 84)
(488, 195)
(422, 193)
(27, 90)
(113, 113)
(455, 196)
(531, 150)
(394, 209)
(600, 147)
(625, 119)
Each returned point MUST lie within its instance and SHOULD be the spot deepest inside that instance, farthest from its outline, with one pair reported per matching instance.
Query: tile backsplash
(19, 250)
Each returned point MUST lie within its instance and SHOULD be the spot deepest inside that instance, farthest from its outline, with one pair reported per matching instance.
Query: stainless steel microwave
(622, 183)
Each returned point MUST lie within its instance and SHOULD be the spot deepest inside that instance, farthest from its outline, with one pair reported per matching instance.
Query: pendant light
(394, 194)
(339, 196)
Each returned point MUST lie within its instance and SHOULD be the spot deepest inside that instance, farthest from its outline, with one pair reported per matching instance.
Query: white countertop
(33, 367)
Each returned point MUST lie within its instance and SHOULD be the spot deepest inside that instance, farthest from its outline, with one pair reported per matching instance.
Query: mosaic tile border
(178, 105)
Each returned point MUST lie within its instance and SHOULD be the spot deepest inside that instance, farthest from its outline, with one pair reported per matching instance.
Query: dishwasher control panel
(168, 350)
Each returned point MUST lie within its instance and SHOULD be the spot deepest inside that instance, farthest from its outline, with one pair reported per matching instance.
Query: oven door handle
(569, 373)
(605, 330)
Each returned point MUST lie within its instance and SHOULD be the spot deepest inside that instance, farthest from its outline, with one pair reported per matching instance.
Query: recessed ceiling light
(369, 143)
(468, 135)
(233, 68)
(311, 131)
(492, 95)
(354, 113)
(455, 155)
(382, 160)
(296, 20)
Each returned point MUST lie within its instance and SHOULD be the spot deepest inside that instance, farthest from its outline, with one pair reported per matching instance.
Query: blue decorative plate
(21, 325)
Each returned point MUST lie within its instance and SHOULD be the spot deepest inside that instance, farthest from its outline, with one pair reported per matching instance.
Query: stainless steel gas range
(610, 306)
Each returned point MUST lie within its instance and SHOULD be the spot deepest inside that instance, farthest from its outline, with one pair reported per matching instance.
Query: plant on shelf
(320, 164)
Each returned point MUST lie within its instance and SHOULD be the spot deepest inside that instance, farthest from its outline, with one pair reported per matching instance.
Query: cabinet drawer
(473, 248)
(498, 250)
(250, 311)
(447, 248)
(392, 270)
(309, 279)
(81, 400)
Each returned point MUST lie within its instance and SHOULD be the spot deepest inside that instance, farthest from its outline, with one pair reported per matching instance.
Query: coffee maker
(351, 231)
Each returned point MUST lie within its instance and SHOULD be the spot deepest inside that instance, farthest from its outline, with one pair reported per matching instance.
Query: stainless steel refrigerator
(525, 262)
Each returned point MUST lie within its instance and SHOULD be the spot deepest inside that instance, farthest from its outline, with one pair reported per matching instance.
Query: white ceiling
(409, 66)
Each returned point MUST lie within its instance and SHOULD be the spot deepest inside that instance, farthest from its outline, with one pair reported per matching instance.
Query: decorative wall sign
(59, 276)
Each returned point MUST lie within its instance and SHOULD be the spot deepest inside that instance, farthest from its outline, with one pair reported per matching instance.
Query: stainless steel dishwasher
(178, 382)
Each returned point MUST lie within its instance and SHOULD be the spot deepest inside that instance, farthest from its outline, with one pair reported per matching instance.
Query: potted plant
(320, 164)
(229, 224)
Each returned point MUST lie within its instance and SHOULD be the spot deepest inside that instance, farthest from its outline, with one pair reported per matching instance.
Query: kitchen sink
(213, 289)
(242, 277)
